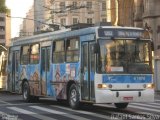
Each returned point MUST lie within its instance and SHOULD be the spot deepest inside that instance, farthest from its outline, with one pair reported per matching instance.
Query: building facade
(41, 14)
(148, 15)
(120, 12)
(27, 27)
(151, 19)
(5, 29)
(69, 12)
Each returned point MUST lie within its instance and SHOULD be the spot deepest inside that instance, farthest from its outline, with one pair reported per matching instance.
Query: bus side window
(58, 51)
(25, 54)
(34, 56)
(72, 50)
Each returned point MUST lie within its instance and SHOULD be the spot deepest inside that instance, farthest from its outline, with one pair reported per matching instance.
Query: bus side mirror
(96, 48)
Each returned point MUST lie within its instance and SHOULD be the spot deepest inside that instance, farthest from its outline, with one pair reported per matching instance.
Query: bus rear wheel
(73, 97)
(121, 105)
(26, 92)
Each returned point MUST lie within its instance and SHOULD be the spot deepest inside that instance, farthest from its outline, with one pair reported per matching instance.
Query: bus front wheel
(121, 105)
(74, 97)
(26, 92)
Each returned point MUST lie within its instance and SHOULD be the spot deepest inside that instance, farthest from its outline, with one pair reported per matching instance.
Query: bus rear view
(124, 67)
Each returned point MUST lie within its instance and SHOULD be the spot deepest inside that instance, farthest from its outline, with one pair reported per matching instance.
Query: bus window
(58, 52)
(130, 56)
(34, 57)
(72, 50)
(25, 55)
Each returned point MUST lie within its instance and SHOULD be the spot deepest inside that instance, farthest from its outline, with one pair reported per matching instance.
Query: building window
(2, 36)
(63, 21)
(72, 54)
(89, 5)
(74, 4)
(58, 52)
(62, 6)
(2, 19)
(89, 20)
(104, 20)
(75, 20)
(2, 28)
(34, 57)
(103, 6)
(25, 54)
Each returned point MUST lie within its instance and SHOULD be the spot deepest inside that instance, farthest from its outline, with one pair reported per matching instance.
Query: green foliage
(2, 3)
(3, 8)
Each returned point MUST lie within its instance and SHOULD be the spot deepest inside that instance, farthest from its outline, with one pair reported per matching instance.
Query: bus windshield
(124, 56)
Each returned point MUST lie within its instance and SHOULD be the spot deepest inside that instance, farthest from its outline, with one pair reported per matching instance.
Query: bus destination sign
(119, 33)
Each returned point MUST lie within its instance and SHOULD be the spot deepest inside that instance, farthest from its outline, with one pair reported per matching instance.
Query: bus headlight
(102, 86)
(150, 86)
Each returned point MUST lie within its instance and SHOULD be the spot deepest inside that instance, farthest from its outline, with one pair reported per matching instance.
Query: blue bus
(100, 64)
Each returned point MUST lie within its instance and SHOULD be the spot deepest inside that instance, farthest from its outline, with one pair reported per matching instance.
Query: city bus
(97, 65)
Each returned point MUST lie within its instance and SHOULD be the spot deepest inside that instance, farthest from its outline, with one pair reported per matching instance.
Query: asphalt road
(12, 107)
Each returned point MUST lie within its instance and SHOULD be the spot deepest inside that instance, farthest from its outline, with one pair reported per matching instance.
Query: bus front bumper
(108, 96)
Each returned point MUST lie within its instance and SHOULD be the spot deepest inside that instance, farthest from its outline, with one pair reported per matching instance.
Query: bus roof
(64, 34)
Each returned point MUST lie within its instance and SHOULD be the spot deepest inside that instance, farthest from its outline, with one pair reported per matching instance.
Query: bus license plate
(129, 98)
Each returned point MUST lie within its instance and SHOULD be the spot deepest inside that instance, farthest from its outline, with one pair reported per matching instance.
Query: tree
(3, 8)
(2, 2)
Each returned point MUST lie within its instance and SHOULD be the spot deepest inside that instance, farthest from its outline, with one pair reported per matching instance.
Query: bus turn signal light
(150, 86)
(102, 86)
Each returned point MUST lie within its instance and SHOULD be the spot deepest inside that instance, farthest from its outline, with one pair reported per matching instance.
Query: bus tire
(26, 92)
(121, 105)
(74, 100)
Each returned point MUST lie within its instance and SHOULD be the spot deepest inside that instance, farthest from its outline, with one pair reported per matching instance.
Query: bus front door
(45, 69)
(87, 71)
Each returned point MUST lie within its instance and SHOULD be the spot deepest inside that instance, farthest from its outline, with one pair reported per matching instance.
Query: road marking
(83, 112)
(145, 105)
(154, 104)
(33, 114)
(5, 102)
(6, 116)
(157, 100)
(59, 113)
(20, 104)
(149, 116)
(137, 105)
(144, 108)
